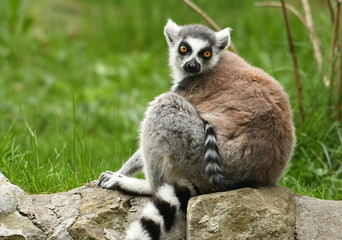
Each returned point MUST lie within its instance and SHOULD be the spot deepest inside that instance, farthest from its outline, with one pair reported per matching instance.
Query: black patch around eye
(188, 48)
(201, 53)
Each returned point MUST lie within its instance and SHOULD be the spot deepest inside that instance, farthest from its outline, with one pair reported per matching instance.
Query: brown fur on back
(251, 115)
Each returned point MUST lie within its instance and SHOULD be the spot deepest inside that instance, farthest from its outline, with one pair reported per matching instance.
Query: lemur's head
(194, 48)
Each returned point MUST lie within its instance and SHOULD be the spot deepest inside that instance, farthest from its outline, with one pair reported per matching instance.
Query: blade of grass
(74, 136)
(326, 153)
(339, 134)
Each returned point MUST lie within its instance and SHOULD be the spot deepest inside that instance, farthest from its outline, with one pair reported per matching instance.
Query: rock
(15, 226)
(12, 224)
(90, 212)
(9, 194)
(318, 219)
(105, 214)
(265, 213)
(53, 214)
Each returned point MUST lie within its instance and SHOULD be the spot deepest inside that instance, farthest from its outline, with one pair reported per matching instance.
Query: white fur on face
(196, 46)
(176, 62)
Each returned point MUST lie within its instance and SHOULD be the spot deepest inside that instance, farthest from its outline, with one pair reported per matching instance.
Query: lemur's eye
(183, 49)
(207, 54)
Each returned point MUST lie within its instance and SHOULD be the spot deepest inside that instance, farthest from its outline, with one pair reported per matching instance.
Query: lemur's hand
(111, 180)
(104, 177)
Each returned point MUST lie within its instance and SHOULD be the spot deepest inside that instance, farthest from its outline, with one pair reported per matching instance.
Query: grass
(76, 77)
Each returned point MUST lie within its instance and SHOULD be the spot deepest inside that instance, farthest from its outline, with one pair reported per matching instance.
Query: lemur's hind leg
(172, 140)
(122, 179)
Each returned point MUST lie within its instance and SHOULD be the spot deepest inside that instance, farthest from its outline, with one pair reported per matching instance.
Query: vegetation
(76, 77)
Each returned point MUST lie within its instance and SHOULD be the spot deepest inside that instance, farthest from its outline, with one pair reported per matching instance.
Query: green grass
(76, 77)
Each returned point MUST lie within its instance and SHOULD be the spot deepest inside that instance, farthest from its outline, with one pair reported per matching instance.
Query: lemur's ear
(171, 31)
(223, 38)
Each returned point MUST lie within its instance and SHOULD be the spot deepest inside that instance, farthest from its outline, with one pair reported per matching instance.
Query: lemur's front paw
(104, 177)
(110, 180)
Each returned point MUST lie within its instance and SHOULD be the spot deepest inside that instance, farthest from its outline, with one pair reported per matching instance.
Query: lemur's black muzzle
(192, 66)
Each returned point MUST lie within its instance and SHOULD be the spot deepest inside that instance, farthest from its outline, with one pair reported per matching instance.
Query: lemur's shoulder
(233, 67)
(232, 71)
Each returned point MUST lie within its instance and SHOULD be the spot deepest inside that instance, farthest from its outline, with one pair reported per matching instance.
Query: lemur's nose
(192, 66)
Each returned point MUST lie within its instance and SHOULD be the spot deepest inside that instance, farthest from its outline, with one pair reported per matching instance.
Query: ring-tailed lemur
(224, 125)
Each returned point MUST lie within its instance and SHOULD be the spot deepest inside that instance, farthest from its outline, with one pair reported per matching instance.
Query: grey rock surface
(9, 194)
(265, 213)
(318, 219)
(53, 214)
(16, 226)
(105, 214)
(90, 212)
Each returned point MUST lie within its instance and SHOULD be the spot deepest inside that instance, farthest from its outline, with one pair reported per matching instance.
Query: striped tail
(212, 158)
(159, 215)
(213, 166)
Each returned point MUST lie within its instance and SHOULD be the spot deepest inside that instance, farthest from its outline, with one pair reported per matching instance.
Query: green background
(76, 77)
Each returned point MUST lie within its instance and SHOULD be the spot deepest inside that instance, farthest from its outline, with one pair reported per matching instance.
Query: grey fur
(247, 108)
(172, 140)
(198, 31)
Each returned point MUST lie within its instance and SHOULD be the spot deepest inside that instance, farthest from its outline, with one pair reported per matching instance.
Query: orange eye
(183, 49)
(207, 54)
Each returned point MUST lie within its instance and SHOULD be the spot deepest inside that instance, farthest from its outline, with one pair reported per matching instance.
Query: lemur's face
(194, 49)
(193, 55)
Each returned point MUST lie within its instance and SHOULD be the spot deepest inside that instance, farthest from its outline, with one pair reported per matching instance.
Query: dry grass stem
(333, 46)
(295, 64)
(332, 57)
(331, 11)
(289, 7)
(307, 24)
(339, 106)
(313, 38)
(211, 22)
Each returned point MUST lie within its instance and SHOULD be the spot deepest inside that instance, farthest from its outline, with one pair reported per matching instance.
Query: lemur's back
(251, 115)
